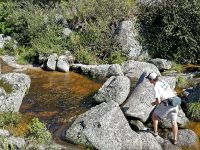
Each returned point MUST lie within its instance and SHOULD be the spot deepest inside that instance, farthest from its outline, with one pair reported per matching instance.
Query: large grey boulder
(42, 59)
(62, 64)
(187, 138)
(100, 70)
(104, 70)
(4, 39)
(70, 57)
(134, 69)
(116, 88)
(167, 145)
(104, 127)
(127, 36)
(139, 105)
(83, 69)
(149, 142)
(114, 70)
(17, 142)
(161, 64)
(11, 61)
(20, 84)
(51, 62)
(4, 132)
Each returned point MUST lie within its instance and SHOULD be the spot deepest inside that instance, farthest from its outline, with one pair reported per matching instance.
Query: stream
(58, 98)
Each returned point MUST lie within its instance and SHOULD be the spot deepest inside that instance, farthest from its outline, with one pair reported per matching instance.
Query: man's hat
(152, 76)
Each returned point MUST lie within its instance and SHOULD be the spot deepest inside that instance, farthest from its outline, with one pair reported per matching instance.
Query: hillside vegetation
(169, 30)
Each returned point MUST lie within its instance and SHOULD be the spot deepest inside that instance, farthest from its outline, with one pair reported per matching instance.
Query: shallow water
(57, 98)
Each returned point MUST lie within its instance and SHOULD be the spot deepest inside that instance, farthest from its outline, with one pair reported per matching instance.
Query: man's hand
(156, 102)
(153, 103)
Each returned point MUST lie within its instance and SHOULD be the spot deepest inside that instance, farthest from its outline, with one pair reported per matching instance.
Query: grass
(9, 119)
(181, 82)
(194, 111)
(7, 87)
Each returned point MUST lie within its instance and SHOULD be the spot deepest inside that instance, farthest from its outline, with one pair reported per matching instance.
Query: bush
(33, 24)
(10, 47)
(9, 118)
(95, 23)
(116, 58)
(33, 28)
(6, 86)
(6, 8)
(171, 30)
(4, 144)
(194, 111)
(38, 132)
(181, 82)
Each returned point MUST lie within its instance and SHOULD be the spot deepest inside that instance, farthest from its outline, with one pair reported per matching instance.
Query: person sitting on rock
(163, 92)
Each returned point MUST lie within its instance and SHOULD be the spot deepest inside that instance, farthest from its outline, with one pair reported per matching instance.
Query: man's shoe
(174, 142)
(154, 133)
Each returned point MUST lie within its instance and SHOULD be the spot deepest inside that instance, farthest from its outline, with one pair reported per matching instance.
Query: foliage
(5, 10)
(38, 132)
(4, 143)
(96, 22)
(9, 118)
(116, 58)
(10, 47)
(181, 82)
(171, 29)
(37, 27)
(6, 86)
(33, 28)
(177, 67)
(194, 111)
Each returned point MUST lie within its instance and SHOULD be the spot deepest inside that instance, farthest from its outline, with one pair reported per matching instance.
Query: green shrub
(194, 111)
(50, 41)
(84, 56)
(171, 29)
(22, 59)
(38, 132)
(32, 23)
(6, 86)
(6, 8)
(10, 47)
(4, 143)
(9, 118)
(95, 22)
(181, 82)
(116, 58)
(177, 67)
(33, 28)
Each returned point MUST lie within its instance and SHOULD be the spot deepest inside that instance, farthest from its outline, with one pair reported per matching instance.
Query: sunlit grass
(194, 111)
(7, 87)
